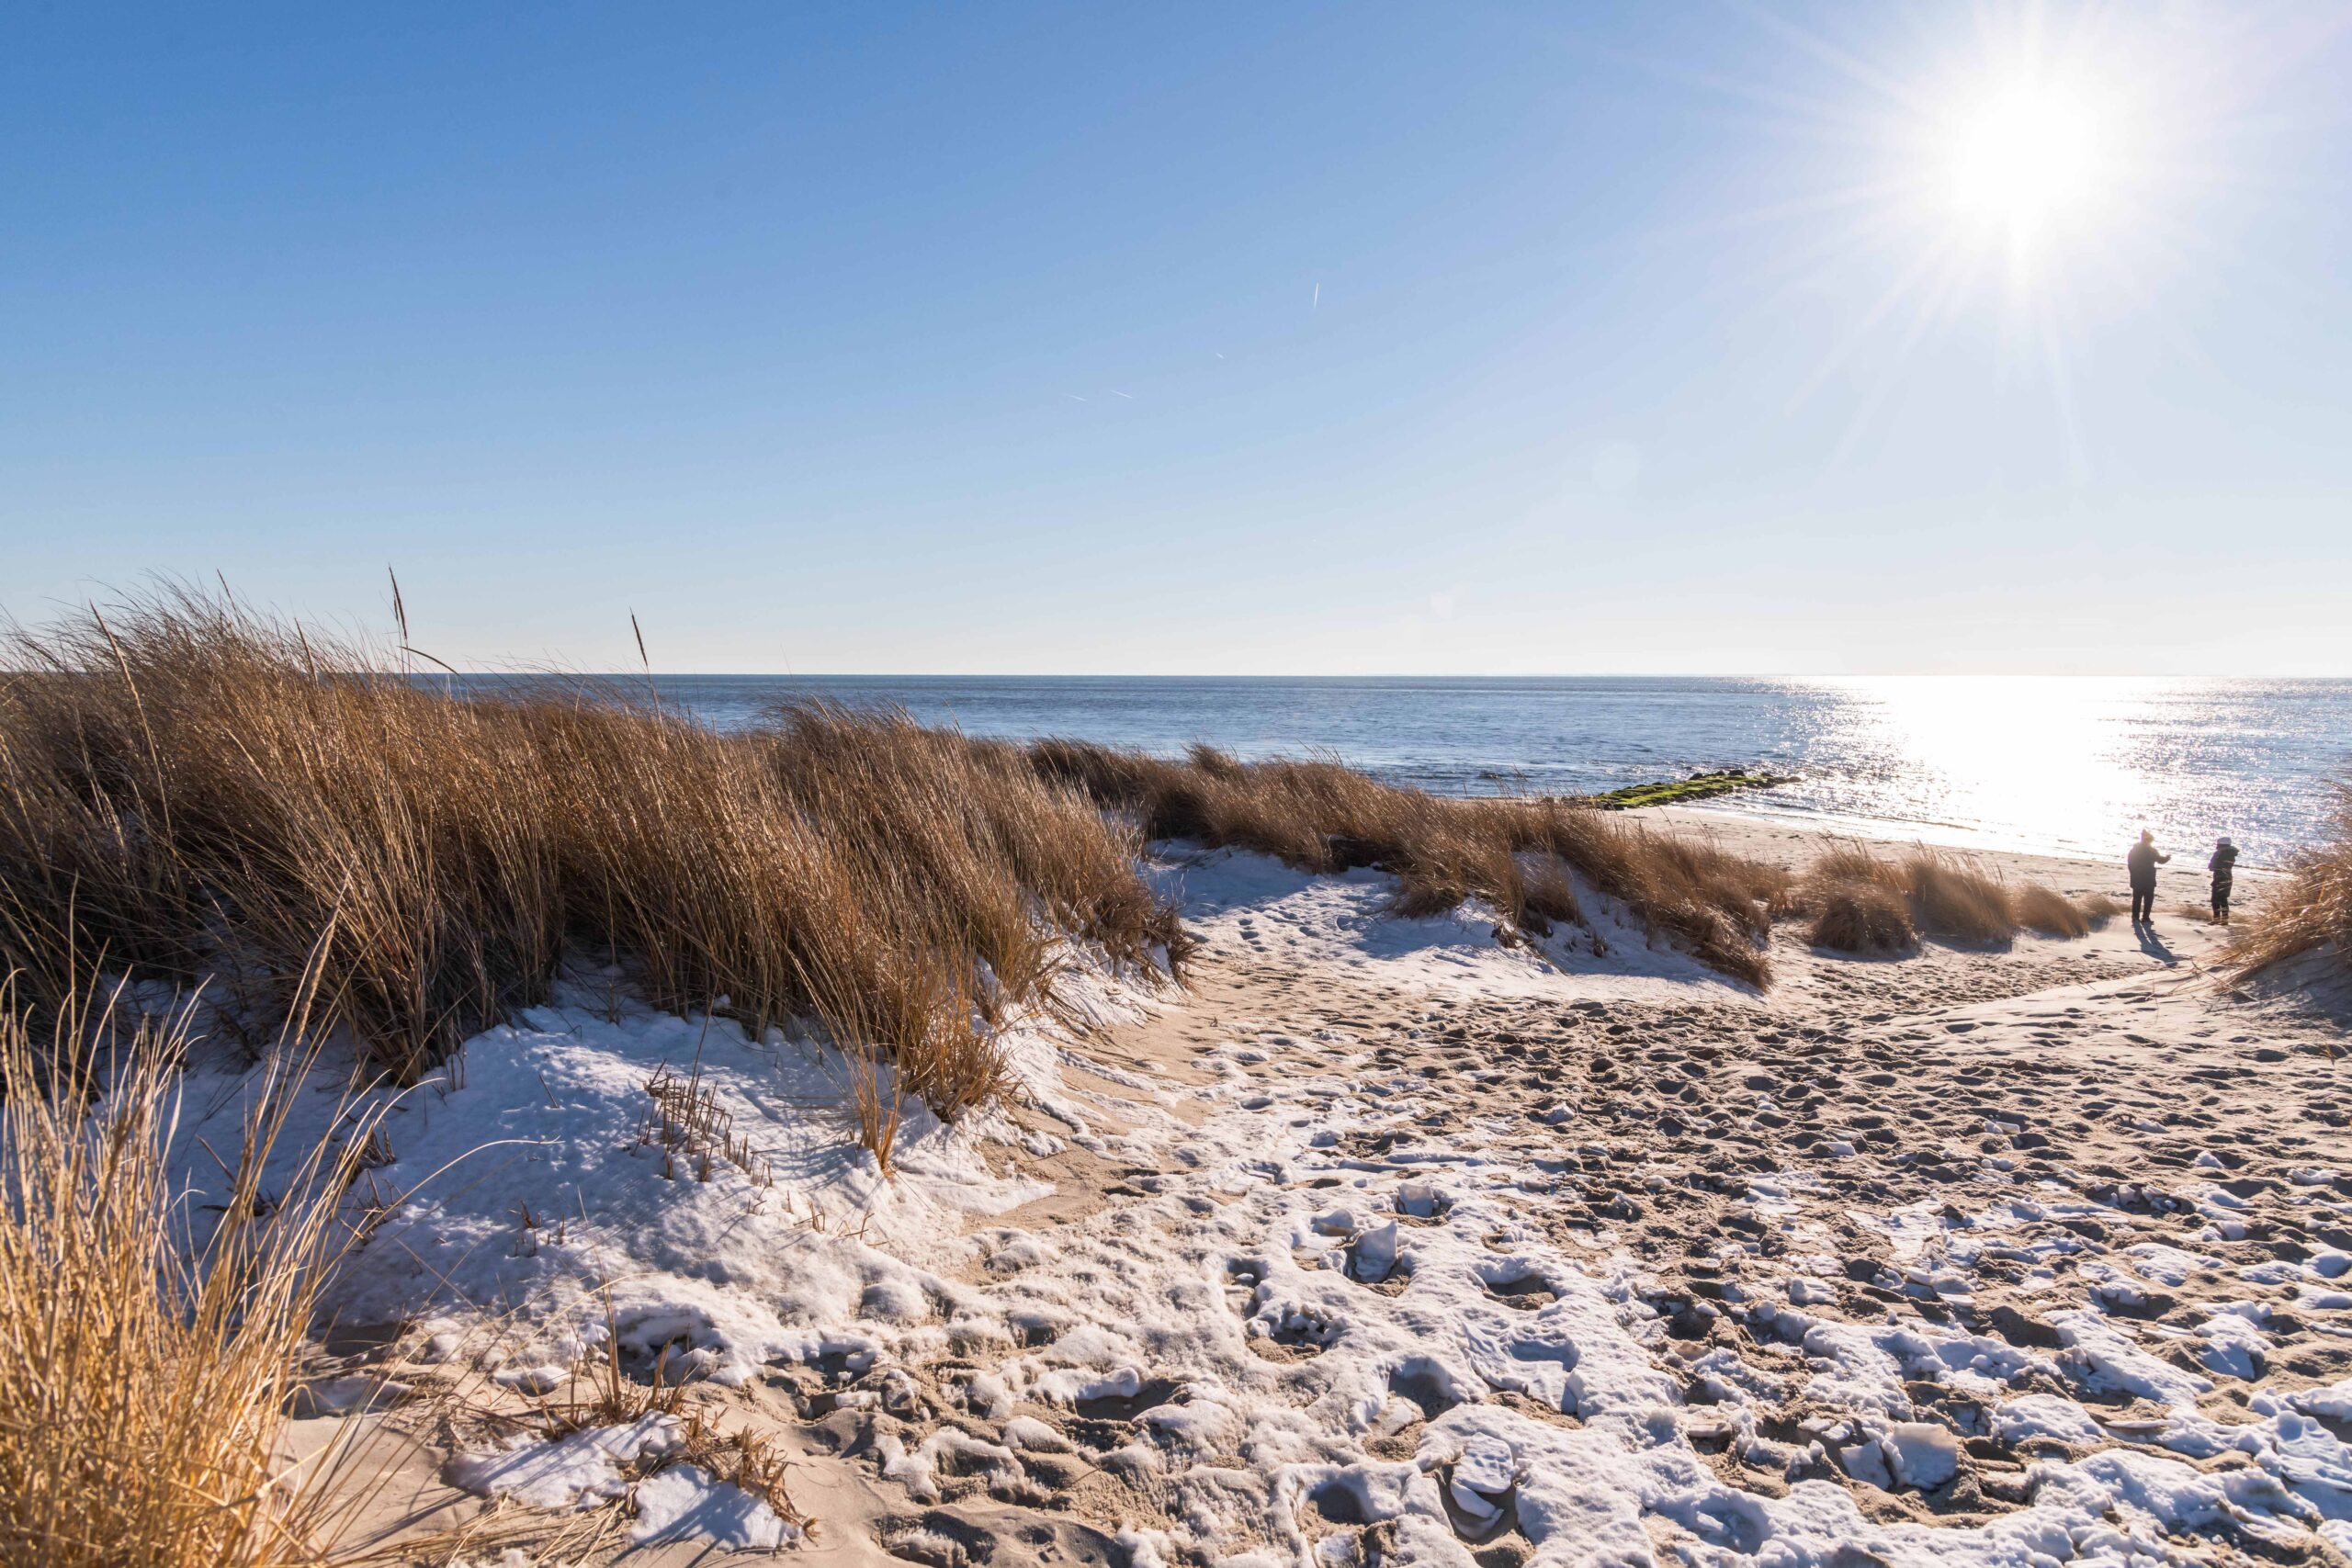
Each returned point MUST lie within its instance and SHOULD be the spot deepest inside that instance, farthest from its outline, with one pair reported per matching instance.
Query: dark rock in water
(1668, 791)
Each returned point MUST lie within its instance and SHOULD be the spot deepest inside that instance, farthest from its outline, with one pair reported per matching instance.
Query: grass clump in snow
(144, 1369)
(2311, 909)
(197, 791)
(606, 1397)
(1861, 901)
(1514, 854)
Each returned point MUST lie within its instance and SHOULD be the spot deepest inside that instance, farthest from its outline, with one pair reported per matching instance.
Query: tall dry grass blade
(146, 1363)
(194, 789)
(400, 606)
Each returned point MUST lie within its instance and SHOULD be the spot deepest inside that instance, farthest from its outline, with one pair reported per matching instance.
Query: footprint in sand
(1293, 1330)
(1426, 1385)
(1525, 1291)
(1480, 1487)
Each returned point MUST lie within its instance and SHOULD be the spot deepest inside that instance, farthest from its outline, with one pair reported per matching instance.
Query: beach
(1306, 786)
(1381, 1241)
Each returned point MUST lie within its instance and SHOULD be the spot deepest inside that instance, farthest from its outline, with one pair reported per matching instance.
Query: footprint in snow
(1480, 1487)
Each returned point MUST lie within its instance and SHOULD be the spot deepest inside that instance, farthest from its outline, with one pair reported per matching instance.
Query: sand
(1385, 1243)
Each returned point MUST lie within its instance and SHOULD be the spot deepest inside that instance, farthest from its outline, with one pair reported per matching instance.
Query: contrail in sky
(1318, 296)
(1116, 393)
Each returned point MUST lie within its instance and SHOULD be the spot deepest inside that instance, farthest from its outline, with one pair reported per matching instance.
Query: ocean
(2052, 764)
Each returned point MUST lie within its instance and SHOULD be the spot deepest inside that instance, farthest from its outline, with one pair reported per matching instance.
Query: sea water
(2055, 764)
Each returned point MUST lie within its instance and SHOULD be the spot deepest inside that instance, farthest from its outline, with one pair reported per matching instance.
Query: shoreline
(1965, 841)
(2182, 880)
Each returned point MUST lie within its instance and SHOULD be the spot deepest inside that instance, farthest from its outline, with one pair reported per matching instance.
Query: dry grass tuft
(729, 1452)
(1861, 901)
(193, 790)
(144, 1371)
(2310, 910)
(2043, 909)
(2098, 909)
(1951, 897)
(1864, 919)
(1518, 855)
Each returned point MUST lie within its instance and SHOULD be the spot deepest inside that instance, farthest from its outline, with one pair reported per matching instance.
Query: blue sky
(1190, 338)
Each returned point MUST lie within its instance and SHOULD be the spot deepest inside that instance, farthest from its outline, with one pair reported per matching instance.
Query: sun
(2002, 185)
(2026, 155)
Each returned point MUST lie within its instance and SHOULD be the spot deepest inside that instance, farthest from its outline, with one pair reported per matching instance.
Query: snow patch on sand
(1325, 1309)
(1242, 902)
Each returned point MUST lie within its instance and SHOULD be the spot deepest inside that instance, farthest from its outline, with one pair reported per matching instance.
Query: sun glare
(2027, 169)
(2026, 156)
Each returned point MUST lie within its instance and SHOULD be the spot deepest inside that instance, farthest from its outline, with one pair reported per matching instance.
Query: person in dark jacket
(2143, 862)
(2224, 860)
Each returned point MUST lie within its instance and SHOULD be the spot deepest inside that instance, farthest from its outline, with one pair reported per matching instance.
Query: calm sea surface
(2060, 764)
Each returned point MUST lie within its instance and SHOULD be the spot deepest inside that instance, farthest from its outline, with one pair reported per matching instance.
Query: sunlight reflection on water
(2078, 764)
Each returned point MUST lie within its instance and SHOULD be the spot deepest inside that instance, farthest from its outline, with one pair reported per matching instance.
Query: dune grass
(144, 1369)
(1952, 898)
(194, 792)
(1516, 855)
(191, 791)
(2048, 912)
(2310, 910)
(1861, 901)
(2099, 909)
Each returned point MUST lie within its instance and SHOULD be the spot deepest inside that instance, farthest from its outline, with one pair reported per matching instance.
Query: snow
(1921, 1454)
(526, 1216)
(2233, 1347)
(523, 1179)
(1239, 901)
(2333, 1402)
(571, 1471)
(1375, 1253)
(685, 1502)
(2046, 1415)
(584, 1468)
(1280, 1307)
(2107, 1360)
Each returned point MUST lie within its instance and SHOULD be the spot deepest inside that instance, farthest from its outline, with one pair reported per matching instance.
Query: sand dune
(1388, 1243)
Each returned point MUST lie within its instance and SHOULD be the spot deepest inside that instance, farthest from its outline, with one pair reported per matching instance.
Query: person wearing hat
(2143, 862)
(2225, 859)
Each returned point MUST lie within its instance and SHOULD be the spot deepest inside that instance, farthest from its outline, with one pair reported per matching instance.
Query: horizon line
(557, 673)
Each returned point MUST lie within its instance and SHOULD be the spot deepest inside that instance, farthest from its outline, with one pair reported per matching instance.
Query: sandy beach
(1385, 1243)
(1159, 786)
